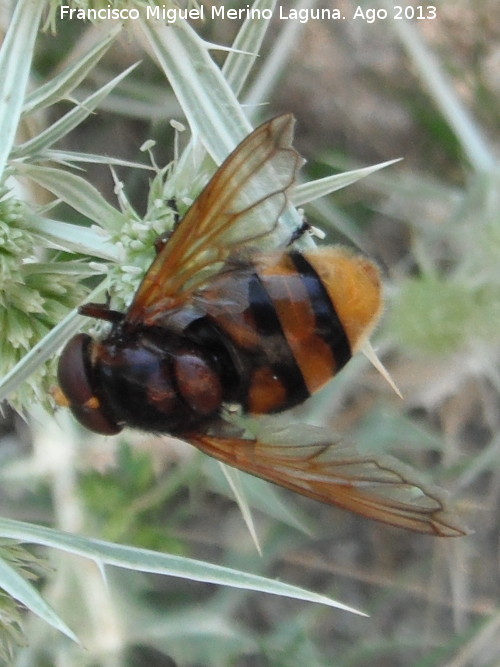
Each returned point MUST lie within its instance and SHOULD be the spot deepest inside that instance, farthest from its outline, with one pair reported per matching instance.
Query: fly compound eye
(74, 376)
(72, 372)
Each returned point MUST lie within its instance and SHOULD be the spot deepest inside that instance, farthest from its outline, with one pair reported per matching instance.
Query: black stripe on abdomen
(328, 324)
(276, 351)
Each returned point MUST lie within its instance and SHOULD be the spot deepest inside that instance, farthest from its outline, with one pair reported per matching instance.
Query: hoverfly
(218, 322)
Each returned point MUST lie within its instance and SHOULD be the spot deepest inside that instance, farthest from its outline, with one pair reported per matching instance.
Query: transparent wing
(241, 203)
(377, 488)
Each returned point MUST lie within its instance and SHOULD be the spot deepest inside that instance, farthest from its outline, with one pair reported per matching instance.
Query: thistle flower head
(134, 240)
(33, 295)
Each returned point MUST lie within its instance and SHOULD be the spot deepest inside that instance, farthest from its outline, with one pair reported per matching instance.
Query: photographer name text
(170, 14)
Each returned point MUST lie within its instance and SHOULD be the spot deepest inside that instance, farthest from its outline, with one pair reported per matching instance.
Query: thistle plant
(50, 265)
(118, 237)
(46, 263)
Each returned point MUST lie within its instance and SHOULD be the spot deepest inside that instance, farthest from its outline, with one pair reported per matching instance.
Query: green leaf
(20, 589)
(68, 122)
(143, 560)
(312, 190)
(77, 193)
(74, 157)
(73, 238)
(60, 86)
(15, 63)
(210, 105)
(206, 98)
(246, 47)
